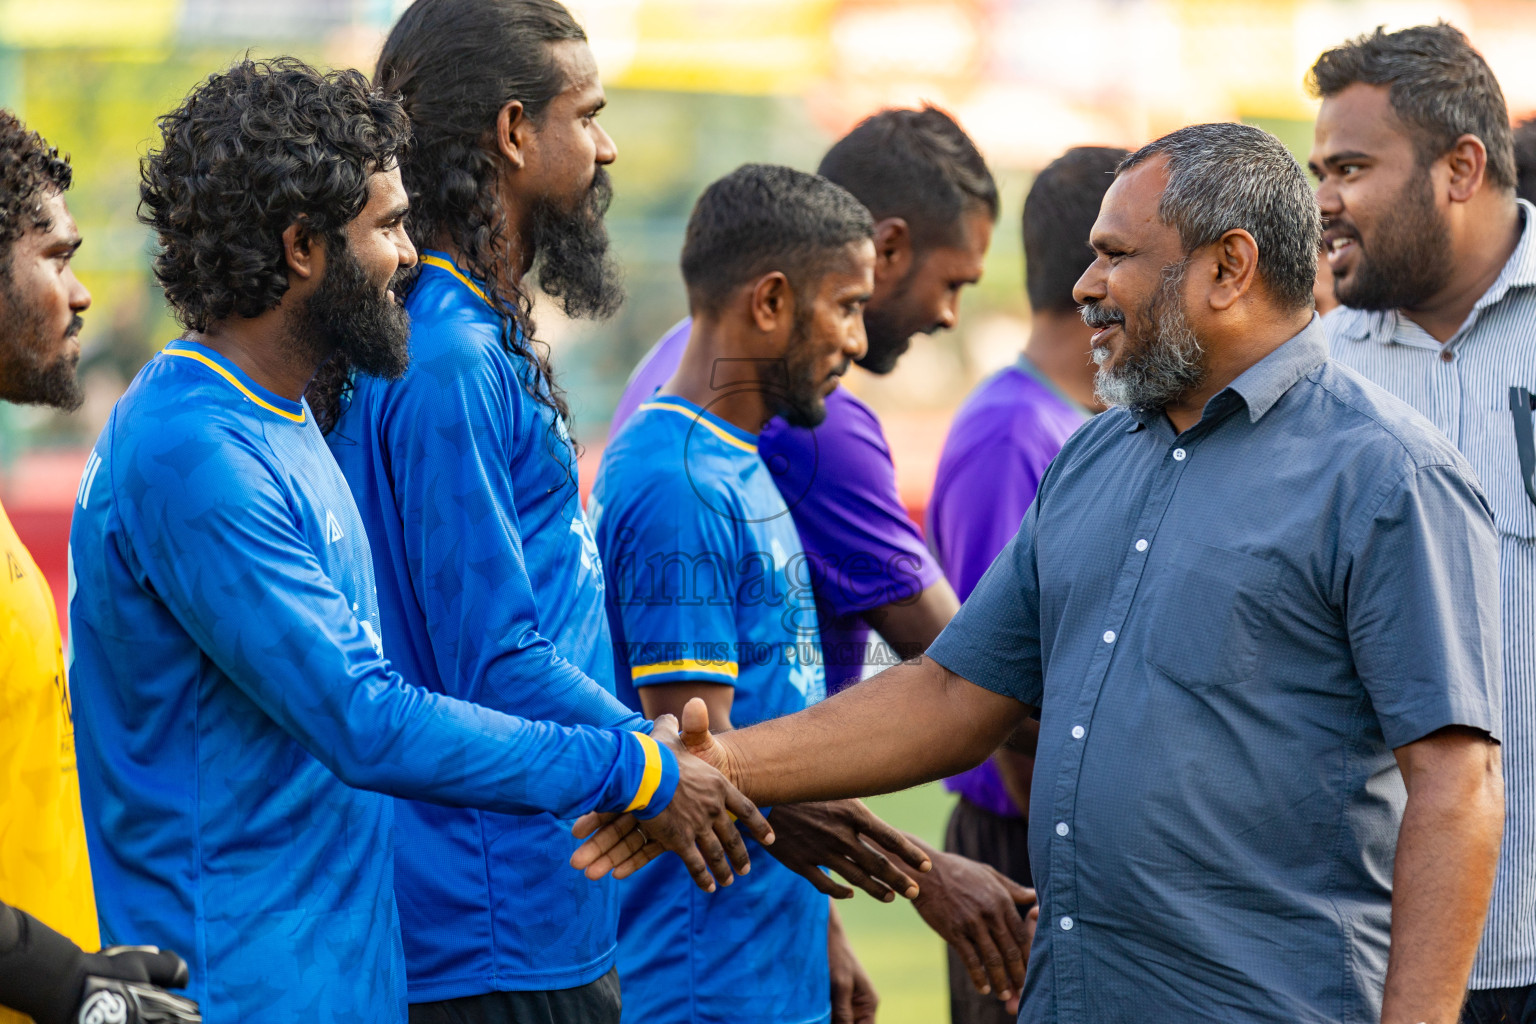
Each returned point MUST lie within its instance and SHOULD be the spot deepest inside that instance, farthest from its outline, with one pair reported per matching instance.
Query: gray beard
(1158, 371)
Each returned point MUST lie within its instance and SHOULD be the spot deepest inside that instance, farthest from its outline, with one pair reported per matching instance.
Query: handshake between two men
(986, 917)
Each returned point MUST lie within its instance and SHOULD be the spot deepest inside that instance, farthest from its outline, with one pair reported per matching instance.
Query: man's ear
(302, 250)
(893, 249)
(512, 132)
(1468, 163)
(772, 301)
(1235, 267)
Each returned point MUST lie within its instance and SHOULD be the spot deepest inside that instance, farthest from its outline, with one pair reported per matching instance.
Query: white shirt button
(1109, 636)
(1061, 828)
(1141, 545)
(1078, 732)
(1066, 924)
(1178, 455)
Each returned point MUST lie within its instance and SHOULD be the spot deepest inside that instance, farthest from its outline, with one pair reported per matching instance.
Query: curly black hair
(455, 64)
(249, 152)
(30, 169)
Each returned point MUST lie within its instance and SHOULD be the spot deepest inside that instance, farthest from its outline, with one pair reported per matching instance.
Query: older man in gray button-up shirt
(1257, 608)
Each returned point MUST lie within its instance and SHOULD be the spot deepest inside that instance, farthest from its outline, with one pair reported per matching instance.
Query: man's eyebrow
(602, 101)
(395, 214)
(1346, 157)
(66, 246)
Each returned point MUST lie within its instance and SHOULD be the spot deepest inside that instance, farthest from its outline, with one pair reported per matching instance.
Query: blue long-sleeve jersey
(230, 693)
(490, 590)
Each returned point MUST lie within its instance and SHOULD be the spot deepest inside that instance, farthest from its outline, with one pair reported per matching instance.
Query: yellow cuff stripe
(297, 417)
(442, 264)
(652, 775)
(711, 668)
(735, 442)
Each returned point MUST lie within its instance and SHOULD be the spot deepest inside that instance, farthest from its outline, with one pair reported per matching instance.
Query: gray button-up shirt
(1227, 632)
(1462, 387)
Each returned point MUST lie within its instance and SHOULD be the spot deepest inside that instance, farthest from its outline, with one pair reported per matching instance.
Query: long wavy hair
(455, 64)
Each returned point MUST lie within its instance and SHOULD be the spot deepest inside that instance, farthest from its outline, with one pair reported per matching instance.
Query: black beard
(889, 330)
(351, 317)
(801, 403)
(24, 377)
(571, 257)
(1412, 249)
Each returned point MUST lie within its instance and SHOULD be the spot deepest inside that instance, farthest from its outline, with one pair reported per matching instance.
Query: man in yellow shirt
(47, 911)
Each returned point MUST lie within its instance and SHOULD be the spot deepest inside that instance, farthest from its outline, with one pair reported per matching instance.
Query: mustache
(75, 326)
(1098, 315)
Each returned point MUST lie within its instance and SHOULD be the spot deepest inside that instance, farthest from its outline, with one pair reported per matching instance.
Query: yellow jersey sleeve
(44, 868)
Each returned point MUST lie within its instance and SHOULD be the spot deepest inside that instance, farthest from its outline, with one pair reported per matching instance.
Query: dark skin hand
(854, 999)
(976, 909)
(709, 844)
(838, 834)
(815, 765)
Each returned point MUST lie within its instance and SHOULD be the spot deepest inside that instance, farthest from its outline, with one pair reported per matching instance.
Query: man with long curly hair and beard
(490, 583)
(239, 724)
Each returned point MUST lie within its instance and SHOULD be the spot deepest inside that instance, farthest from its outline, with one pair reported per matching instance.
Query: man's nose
(79, 295)
(607, 149)
(1328, 200)
(1089, 287)
(856, 342)
(949, 313)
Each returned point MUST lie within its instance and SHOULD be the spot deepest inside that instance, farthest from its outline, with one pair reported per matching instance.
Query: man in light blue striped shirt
(1434, 261)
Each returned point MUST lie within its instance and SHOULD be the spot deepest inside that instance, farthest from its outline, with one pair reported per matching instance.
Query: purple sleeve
(978, 502)
(655, 369)
(840, 484)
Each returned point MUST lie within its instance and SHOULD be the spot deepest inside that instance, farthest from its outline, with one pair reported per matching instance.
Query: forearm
(913, 723)
(1447, 852)
(435, 748)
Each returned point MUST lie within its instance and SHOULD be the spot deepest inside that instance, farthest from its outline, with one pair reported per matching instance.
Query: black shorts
(1004, 844)
(594, 1003)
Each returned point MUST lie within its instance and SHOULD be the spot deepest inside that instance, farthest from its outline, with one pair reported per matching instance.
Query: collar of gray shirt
(1261, 385)
(1380, 326)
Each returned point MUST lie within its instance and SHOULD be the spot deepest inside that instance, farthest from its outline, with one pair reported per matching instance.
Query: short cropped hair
(918, 165)
(30, 170)
(1439, 87)
(1227, 176)
(761, 218)
(249, 152)
(1059, 211)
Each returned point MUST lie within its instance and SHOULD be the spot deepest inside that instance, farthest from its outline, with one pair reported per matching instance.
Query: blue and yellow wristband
(658, 779)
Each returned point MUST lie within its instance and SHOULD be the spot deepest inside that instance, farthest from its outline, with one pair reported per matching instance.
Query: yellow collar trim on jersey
(702, 421)
(442, 264)
(296, 417)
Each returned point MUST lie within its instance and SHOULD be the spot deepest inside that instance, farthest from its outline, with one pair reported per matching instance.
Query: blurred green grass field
(904, 959)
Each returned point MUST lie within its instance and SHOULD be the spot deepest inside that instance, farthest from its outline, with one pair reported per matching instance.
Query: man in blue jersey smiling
(234, 706)
(490, 585)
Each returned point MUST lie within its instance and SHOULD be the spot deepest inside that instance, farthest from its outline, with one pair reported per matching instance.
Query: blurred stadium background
(697, 87)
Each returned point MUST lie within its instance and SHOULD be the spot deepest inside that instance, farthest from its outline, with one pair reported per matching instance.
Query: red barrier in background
(39, 492)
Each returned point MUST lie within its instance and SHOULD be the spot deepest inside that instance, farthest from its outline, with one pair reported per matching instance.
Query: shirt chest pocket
(1206, 615)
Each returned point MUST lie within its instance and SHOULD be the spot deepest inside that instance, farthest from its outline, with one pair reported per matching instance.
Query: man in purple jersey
(934, 204)
(998, 448)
